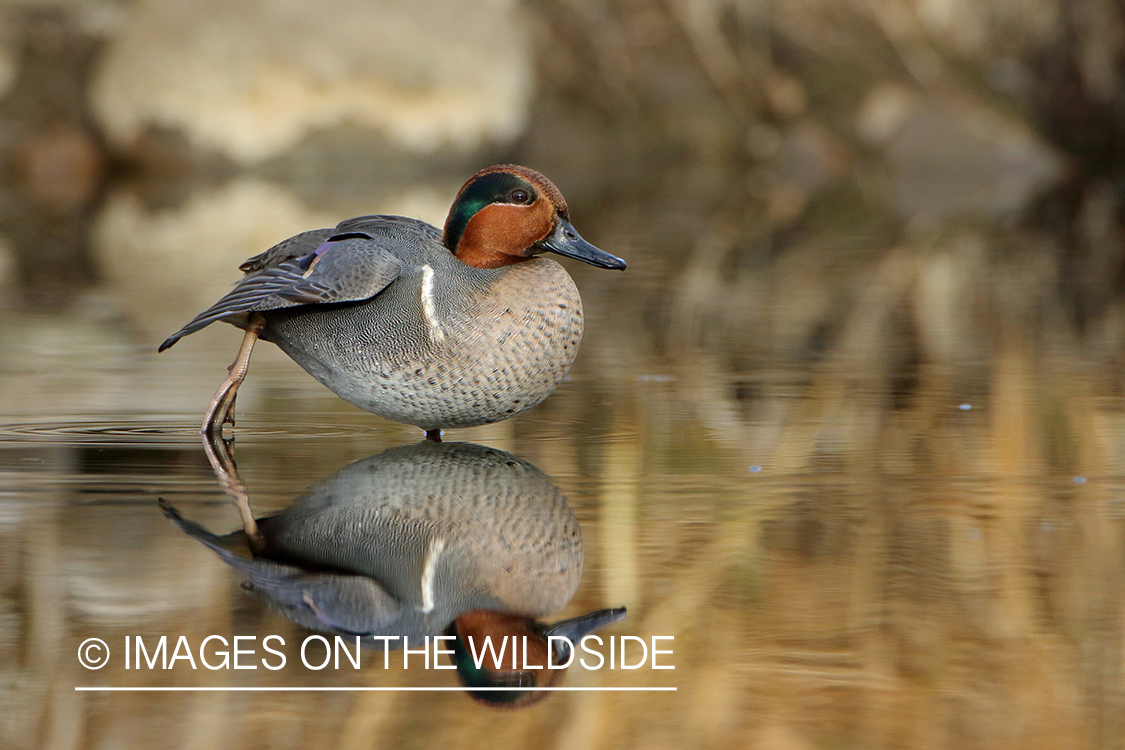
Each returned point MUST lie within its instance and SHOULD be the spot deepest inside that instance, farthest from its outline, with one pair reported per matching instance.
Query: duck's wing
(290, 249)
(402, 226)
(346, 264)
(346, 602)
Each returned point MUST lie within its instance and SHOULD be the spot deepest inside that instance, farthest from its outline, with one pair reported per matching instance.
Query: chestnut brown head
(507, 213)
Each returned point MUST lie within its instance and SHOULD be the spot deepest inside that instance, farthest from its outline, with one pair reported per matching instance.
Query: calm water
(842, 561)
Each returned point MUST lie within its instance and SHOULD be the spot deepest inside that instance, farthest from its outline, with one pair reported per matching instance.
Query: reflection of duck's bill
(570, 633)
(577, 628)
(520, 653)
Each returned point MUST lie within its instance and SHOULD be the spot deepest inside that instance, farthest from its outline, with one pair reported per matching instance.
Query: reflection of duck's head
(498, 650)
(413, 541)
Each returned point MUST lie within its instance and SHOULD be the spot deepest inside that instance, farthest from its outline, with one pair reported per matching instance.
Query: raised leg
(221, 408)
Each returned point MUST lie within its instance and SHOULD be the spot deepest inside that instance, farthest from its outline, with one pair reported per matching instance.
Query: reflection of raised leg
(222, 462)
(221, 408)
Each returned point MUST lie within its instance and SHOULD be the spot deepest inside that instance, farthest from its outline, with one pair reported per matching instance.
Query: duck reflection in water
(423, 540)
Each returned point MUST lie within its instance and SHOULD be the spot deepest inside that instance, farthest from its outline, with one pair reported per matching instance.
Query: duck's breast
(445, 345)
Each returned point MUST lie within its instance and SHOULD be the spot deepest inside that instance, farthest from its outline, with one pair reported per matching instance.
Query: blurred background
(851, 426)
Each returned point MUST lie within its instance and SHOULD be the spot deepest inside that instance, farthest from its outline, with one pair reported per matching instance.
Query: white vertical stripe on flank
(428, 304)
(430, 569)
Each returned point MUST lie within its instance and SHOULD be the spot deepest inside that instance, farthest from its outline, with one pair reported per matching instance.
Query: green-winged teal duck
(437, 329)
(424, 540)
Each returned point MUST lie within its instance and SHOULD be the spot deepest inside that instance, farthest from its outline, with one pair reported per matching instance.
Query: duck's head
(469, 647)
(507, 214)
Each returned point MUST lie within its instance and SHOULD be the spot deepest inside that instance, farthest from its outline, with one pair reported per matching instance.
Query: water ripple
(134, 431)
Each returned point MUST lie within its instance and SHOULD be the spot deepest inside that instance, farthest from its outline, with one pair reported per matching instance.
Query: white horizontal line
(359, 689)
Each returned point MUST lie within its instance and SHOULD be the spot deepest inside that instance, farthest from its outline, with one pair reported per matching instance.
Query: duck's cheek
(509, 229)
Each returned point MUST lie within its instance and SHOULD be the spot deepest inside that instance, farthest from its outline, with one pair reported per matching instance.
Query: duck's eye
(518, 196)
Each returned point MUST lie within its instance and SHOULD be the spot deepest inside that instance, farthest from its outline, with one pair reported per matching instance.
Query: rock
(979, 30)
(252, 79)
(164, 266)
(952, 156)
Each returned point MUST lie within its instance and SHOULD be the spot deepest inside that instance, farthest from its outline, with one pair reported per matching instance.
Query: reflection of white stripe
(428, 572)
(428, 304)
